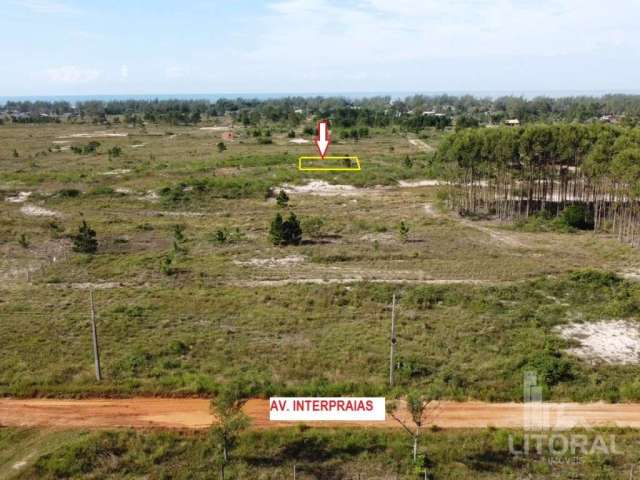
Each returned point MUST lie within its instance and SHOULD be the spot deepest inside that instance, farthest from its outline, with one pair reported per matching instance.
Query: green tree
(230, 421)
(276, 230)
(403, 231)
(416, 404)
(23, 241)
(85, 241)
(285, 232)
(282, 199)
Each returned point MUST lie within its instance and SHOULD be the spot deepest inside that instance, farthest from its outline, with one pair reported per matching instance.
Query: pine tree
(276, 230)
(282, 199)
(292, 232)
(85, 241)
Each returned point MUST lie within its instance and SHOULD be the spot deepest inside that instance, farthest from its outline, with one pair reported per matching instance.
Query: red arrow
(323, 139)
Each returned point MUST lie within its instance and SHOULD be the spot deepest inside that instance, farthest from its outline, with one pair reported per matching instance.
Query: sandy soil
(357, 279)
(419, 183)
(299, 141)
(194, 413)
(421, 145)
(322, 188)
(272, 262)
(34, 211)
(216, 129)
(21, 197)
(118, 171)
(95, 135)
(609, 341)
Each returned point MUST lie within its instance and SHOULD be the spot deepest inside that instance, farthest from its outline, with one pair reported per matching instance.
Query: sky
(109, 47)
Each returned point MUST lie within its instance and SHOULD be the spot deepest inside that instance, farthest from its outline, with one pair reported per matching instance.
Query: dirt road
(194, 414)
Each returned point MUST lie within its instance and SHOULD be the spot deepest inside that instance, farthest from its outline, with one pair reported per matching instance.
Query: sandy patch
(124, 191)
(299, 141)
(419, 183)
(118, 171)
(140, 145)
(609, 341)
(425, 147)
(322, 188)
(430, 210)
(216, 129)
(384, 237)
(34, 211)
(95, 135)
(150, 196)
(91, 286)
(357, 279)
(21, 197)
(179, 214)
(272, 262)
(19, 465)
(61, 142)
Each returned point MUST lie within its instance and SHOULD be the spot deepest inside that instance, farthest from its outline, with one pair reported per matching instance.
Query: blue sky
(67, 47)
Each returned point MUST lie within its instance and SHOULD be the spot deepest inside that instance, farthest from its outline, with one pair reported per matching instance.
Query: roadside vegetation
(315, 453)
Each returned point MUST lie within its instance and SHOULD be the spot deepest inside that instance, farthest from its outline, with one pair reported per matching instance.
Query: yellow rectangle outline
(330, 169)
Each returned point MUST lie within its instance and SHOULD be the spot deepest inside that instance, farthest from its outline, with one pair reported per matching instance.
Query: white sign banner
(326, 409)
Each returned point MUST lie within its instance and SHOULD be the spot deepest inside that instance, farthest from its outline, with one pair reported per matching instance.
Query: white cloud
(46, 6)
(124, 71)
(72, 74)
(375, 31)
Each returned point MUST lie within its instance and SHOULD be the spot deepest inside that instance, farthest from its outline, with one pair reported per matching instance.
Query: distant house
(513, 122)
(299, 111)
(609, 119)
(228, 136)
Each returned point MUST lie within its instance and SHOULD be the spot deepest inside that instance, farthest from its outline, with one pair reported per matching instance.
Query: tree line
(379, 111)
(514, 173)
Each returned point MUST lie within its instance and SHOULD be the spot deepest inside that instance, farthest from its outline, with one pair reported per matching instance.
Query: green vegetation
(85, 241)
(588, 175)
(285, 232)
(455, 341)
(316, 453)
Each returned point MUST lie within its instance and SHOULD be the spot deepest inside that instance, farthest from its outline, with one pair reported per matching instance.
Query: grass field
(479, 303)
(312, 318)
(327, 454)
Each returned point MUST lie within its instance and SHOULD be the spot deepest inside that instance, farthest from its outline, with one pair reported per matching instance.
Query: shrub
(403, 231)
(282, 199)
(23, 240)
(577, 216)
(167, 264)
(85, 241)
(69, 193)
(87, 149)
(313, 226)
(286, 232)
(115, 152)
(221, 147)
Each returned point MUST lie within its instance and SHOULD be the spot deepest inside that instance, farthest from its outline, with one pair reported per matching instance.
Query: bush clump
(285, 232)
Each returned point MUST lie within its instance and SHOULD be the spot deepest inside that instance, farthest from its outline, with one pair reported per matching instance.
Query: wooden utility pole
(294, 471)
(94, 334)
(392, 352)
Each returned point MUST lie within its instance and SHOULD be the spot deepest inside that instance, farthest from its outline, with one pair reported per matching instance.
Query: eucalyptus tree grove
(516, 172)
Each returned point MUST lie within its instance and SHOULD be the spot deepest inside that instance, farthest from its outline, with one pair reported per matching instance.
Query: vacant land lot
(181, 312)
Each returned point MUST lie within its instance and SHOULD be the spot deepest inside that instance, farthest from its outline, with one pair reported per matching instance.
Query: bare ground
(192, 413)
